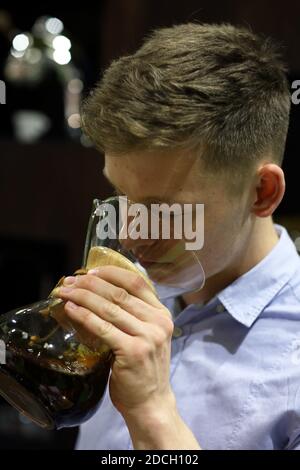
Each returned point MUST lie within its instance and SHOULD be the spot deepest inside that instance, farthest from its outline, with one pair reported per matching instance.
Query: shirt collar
(248, 295)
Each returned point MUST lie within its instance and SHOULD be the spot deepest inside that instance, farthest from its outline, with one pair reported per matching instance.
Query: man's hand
(118, 307)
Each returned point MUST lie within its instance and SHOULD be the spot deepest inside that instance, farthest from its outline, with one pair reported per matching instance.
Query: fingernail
(69, 280)
(65, 290)
(93, 271)
(71, 305)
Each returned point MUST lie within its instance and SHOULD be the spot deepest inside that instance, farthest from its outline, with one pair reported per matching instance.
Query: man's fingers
(103, 308)
(87, 321)
(131, 282)
(117, 295)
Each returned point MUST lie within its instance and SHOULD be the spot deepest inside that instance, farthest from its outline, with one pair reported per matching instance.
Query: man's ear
(269, 190)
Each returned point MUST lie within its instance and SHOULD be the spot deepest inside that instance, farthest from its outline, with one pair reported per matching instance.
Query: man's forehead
(169, 165)
(141, 192)
(162, 176)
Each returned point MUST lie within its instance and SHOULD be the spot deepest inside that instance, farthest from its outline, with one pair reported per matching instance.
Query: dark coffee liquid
(49, 375)
(49, 391)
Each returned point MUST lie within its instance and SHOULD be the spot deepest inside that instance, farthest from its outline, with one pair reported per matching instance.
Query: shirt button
(177, 332)
(220, 308)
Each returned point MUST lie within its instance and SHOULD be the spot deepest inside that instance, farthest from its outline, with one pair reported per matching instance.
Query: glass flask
(49, 373)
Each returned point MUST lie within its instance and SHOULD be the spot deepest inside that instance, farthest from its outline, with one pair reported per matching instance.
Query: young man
(198, 114)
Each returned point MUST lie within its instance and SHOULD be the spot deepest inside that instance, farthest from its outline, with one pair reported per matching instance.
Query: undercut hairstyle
(218, 89)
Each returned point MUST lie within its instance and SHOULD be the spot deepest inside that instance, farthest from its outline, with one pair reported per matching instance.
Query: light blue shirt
(235, 367)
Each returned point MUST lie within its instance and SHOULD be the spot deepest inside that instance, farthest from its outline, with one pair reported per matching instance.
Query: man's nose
(127, 238)
(136, 245)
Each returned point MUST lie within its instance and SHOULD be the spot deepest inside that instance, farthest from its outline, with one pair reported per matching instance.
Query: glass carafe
(50, 374)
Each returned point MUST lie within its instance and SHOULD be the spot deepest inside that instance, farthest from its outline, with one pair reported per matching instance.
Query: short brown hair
(212, 86)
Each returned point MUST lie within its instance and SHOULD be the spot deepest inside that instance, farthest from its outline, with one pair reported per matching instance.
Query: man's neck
(261, 242)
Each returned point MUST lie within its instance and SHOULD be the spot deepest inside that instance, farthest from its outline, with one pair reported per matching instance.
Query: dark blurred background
(50, 173)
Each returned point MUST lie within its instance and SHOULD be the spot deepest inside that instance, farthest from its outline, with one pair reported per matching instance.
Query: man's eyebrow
(147, 200)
